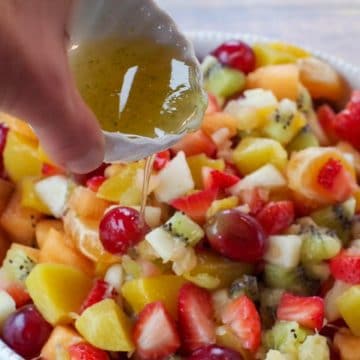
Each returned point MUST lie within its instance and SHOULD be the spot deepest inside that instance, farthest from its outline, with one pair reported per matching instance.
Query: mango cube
(58, 290)
(142, 291)
(105, 326)
(349, 306)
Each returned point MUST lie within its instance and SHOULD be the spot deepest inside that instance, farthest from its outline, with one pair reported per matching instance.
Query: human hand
(36, 83)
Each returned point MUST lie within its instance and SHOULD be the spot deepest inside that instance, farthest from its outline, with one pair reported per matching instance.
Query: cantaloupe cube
(215, 121)
(57, 291)
(61, 337)
(105, 326)
(43, 227)
(282, 80)
(55, 250)
(6, 190)
(86, 204)
(19, 222)
(142, 291)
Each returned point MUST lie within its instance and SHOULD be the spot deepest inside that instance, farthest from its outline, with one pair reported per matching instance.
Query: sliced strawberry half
(256, 198)
(244, 320)
(161, 159)
(345, 266)
(155, 334)
(195, 205)
(95, 182)
(328, 173)
(195, 313)
(275, 217)
(216, 179)
(307, 311)
(327, 119)
(101, 290)
(85, 351)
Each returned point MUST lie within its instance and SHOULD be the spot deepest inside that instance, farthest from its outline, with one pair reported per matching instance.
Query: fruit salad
(248, 246)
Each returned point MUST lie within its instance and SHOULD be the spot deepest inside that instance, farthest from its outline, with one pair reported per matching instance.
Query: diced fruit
(253, 153)
(49, 286)
(286, 336)
(219, 120)
(152, 321)
(195, 317)
(43, 227)
(220, 205)
(195, 143)
(115, 276)
(216, 179)
(198, 162)
(284, 250)
(105, 326)
(21, 157)
(275, 217)
(101, 290)
(348, 305)
(282, 80)
(327, 118)
(307, 311)
(318, 244)
(161, 159)
(269, 301)
(195, 205)
(51, 170)
(346, 266)
(304, 139)
(152, 215)
(19, 327)
(214, 352)
(175, 179)
(314, 347)
(54, 192)
(19, 222)
(95, 182)
(236, 235)
(61, 337)
(163, 243)
(330, 300)
(29, 197)
(276, 355)
(142, 291)
(181, 226)
(253, 199)
(347, 344)
(322, 81)
(246, 285)
(213, 105)
(6, 190)
(18, 126)
(236, 54)
(120, 229)
(242, 317)
(7, 307)
(84, 351)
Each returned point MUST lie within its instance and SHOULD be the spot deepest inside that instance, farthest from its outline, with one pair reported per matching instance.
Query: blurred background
(332, 26)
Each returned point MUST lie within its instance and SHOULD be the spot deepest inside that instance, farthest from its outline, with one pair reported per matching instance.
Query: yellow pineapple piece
(61, 337)
(55, 249)
(253, 153)
(105, 326)
(21, 157)
(57, 291)
(198, 162)
(19, 222)
(29, 197)
(142, 291)
(86, 204)
(18, 126)
(43, 227)
(223, 204)
(6, 189)
(349, 306)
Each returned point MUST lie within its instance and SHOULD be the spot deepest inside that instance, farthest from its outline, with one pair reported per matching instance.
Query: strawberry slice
(345, 266)
(256, 198)
(276, 216)
(216, 179)
(85, 351)
(101, 290)
(195, 313)
(155, 333)
(327, 119)
(95, 182)
(213, 105)
(328, 173)
(195, 143)
(195, 205)
(50, 170)
(307, 311)
(161, 159)
(19, 293)
(244, 320)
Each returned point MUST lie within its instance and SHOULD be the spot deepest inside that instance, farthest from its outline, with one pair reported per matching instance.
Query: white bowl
(203, 43)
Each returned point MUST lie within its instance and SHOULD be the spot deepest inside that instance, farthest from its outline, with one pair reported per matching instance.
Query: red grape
(213, 352)
(236, 235)
(120, 229)
(236, 54)
(26, 332)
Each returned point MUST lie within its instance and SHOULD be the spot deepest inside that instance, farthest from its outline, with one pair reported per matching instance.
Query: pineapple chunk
(19, 126)
(349, 307)
(105, 326)
(21, 157)
(253, 153)
(29, 197)
(142, 291)
(57, 291)
(347, 344)
(332, 312)
(223, 204)
(314, 347)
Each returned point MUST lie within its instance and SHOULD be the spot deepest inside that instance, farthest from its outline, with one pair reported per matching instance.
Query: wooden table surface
(331, 26)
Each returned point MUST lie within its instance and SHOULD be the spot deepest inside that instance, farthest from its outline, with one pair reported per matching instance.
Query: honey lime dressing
(140, 87)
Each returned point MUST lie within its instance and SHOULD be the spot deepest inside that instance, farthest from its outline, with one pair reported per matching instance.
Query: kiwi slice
(269, 301)
(304, 139)
(304, 101)
(182, 227)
